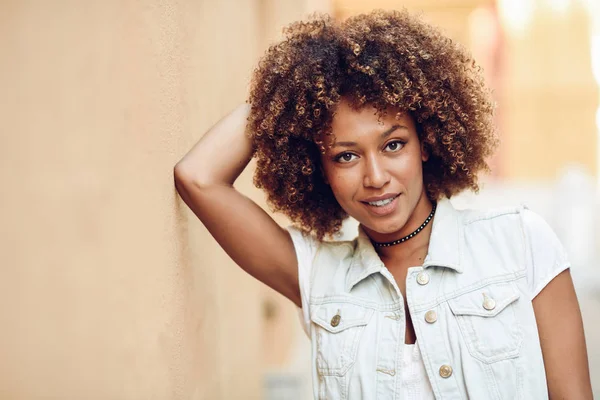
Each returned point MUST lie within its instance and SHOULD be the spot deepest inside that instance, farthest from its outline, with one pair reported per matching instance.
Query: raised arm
(204, 178)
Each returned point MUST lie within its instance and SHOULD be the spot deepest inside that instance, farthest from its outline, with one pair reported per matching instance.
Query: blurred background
(110, 288)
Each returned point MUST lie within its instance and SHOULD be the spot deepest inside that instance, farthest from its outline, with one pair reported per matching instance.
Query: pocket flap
(486, 301)
(336, 317)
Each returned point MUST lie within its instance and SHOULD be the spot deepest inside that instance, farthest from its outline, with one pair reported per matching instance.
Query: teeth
(382, 202)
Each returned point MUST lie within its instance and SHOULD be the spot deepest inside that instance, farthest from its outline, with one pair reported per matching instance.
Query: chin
(386, 226)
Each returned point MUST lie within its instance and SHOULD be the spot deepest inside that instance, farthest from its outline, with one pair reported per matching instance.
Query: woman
(383, 119)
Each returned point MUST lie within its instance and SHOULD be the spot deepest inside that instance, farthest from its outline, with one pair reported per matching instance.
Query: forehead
(349, 123)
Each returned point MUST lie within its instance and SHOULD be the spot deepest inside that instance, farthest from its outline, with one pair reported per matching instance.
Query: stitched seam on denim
(352, 324)
(520, 379)
(322, 388)
(523, 239)
(473, 345)
(377, 346)
(461, 244)
(320, 300)
(468, 332)
(368, 271)
(528, 247)
(346, 361)
(401, 330)
(390, 287)
(448, 351)
(427, 363)
(388, 275)
(492, 381)
(492, 214)
(439, 292)
(500, 306)
(511, 276)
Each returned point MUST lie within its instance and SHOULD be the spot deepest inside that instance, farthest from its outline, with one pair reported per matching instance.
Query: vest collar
(444, 246)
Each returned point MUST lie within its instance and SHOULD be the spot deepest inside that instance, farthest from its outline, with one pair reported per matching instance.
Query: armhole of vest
(555, 272)
(302, 243)
(528, 262)
(558, 268)
(313, 267)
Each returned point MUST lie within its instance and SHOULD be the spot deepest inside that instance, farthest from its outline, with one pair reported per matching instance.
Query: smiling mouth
(381, 203)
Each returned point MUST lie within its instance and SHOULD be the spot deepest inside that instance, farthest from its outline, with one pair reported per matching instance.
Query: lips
(383, 210)
(379, 198)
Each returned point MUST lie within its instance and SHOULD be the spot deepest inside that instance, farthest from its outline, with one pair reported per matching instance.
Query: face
(375, 169)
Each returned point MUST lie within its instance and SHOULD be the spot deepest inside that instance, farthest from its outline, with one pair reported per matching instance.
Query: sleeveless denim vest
(470, 304)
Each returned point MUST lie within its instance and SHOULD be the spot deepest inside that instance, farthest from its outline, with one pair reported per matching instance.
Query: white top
(415, 384)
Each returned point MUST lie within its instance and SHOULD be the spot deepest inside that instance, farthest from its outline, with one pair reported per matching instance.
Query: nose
(376, 175)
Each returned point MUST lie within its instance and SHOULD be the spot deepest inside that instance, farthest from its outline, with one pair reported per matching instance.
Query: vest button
(431, 316)
(489, 304)
(445, 371)
(335, 321)
(423, 278)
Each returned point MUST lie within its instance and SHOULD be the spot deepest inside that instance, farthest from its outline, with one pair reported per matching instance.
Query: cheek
(410, 173)
(343, 186)
(418, 170)
(418, 177)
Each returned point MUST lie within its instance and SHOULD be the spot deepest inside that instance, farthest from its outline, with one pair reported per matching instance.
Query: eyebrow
(382, 136)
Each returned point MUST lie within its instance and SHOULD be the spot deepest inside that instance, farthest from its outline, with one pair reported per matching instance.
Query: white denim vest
(470, 304)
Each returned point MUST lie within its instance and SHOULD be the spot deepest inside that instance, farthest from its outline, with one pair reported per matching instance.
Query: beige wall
(109, 286)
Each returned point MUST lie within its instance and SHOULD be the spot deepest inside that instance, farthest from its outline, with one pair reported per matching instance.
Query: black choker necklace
(405, 238)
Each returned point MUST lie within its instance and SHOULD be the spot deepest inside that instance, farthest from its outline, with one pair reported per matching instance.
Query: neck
(417, 245)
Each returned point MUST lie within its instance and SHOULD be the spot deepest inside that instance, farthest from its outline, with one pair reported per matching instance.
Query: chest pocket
(339, 327)
(488, 322)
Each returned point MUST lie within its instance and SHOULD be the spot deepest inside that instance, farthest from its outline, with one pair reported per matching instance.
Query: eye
(344, 158)
(395, 145)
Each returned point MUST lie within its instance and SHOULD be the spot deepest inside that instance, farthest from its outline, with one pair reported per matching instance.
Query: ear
(424, 152)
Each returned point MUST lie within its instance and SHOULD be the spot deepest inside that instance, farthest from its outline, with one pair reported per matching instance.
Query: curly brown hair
(385, 59)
